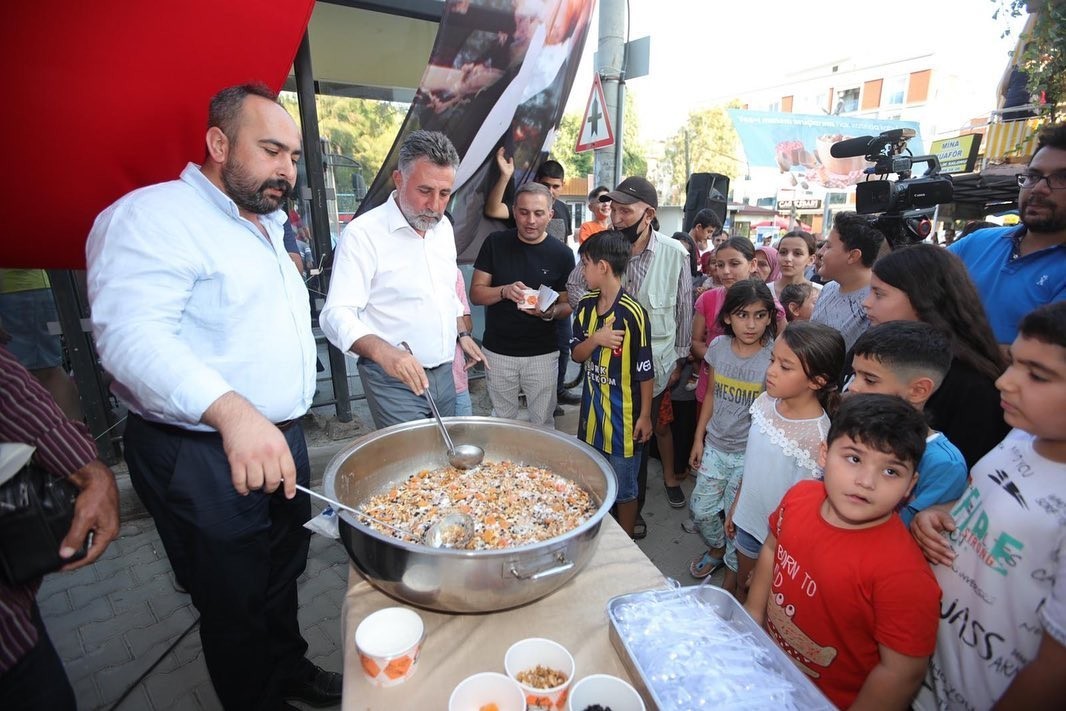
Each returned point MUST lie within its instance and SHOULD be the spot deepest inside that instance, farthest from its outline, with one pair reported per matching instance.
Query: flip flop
(704, 565)
(640, 529)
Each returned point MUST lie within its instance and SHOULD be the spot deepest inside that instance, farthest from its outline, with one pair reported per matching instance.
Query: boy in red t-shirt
(840, 585)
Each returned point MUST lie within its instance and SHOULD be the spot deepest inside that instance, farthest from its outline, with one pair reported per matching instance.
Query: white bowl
(527, 654)
(476, 691)
(389, 643)
(605, 690)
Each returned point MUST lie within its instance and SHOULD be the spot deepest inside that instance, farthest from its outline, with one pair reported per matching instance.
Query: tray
(708, 599)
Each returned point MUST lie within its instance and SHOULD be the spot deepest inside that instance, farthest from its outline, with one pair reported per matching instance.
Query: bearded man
(202, 319)
(394, 282)
(1017, 269)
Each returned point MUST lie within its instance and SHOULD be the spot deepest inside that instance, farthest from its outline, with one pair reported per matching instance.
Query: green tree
(1043, 56)
(634, 161)
(707, 143)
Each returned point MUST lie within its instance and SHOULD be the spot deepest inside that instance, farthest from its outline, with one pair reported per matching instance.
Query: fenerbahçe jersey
(610, 402)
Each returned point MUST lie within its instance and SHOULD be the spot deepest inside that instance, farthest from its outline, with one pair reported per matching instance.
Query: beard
(241, 187)
(420, 221)
(1054, 222)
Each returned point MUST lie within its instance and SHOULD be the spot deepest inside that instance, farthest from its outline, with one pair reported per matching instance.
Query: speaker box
(705, 190)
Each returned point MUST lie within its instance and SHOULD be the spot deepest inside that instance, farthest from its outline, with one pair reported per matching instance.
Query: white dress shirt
(390, 282)
(190, 301)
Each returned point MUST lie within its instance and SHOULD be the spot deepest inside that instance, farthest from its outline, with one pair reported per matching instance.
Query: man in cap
(658, 275)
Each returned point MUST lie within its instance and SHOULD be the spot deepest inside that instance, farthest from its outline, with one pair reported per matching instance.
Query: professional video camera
(903, 204)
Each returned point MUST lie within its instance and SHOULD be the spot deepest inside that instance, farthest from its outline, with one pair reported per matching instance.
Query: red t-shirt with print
(836, 594)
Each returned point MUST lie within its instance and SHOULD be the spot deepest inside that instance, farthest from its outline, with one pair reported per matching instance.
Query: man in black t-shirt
(520, 344)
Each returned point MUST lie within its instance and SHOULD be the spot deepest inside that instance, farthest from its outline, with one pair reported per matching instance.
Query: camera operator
(1017, 269)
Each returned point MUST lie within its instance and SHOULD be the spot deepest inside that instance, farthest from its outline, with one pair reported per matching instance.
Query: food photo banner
(499, 75)
(799, 144)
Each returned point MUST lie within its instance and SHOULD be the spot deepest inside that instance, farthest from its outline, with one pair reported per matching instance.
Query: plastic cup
(605, 690)
(389, 642)
(526, 655)
(480, 690)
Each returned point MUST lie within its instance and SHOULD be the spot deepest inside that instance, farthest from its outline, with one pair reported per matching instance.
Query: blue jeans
(625, 474)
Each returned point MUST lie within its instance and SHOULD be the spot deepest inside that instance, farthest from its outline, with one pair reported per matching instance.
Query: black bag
(36, 510)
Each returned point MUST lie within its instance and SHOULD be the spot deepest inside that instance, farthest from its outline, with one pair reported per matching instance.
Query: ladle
(453, 530)
(463, 456)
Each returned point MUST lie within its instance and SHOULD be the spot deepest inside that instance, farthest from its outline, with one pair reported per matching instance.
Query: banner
(798, 144)
(499, 75)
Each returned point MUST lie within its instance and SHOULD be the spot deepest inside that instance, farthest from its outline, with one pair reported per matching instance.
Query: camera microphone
(851, 147)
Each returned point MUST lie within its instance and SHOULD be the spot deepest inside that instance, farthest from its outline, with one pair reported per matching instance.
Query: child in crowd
(736, 365)
(789, 423)
(910, 359)
(840, 585)
(798, 301)
(795, 253)
(611, 337)
(1002, 637)
(463, 405)
(849, 253)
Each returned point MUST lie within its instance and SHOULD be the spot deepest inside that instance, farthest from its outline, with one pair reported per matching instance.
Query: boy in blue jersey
(612, 338)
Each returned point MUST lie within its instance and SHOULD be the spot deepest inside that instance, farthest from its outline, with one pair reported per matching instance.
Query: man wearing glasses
(1019, 268)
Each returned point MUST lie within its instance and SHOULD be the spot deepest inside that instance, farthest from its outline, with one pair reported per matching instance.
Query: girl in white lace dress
(789, 422)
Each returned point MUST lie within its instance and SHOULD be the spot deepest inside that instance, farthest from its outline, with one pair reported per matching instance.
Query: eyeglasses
(1055, 181)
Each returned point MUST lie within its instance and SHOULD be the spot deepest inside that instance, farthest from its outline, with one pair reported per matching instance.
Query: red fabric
(112, 96)
(836, 594)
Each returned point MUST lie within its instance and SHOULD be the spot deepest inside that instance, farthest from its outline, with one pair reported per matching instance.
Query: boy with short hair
(612, 338)
(910, 359)
(1002, 637)
(839, 583)
(846, 263)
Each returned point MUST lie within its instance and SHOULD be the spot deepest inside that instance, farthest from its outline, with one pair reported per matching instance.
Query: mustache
(279, 184)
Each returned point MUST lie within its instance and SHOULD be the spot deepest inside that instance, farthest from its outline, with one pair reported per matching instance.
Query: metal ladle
(463, 456)
(452, 530)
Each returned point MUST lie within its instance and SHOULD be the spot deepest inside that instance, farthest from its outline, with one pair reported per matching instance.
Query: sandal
(640, 529)
(704, 565)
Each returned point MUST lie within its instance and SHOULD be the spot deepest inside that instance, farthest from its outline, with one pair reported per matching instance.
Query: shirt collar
(195, 178)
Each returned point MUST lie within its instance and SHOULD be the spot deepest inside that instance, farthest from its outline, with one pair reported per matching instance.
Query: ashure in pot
(457, 580)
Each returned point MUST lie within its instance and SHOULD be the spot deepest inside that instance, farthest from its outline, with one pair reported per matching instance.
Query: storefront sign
(958, 154)
(785, 204)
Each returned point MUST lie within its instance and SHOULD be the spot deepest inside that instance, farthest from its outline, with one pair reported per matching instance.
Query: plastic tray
(713, 600)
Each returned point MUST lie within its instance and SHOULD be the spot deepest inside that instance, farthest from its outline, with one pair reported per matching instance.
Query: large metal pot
(465, 581)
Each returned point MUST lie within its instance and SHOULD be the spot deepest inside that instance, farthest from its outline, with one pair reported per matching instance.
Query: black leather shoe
(318, 688)
(565, 397)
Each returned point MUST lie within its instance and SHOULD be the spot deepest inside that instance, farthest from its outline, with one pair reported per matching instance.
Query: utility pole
(610, 65)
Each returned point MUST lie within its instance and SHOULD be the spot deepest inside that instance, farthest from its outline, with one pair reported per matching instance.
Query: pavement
(128, 637)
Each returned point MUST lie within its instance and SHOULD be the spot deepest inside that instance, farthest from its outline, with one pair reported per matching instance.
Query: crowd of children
(813, 458)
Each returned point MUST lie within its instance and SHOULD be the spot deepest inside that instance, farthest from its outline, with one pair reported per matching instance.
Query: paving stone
(164, 688)
(154, 569)
(189, 649)
(66, 580)
(98, 610)
(67, 643)
(152, 640)
(86, 694)
(143, 555)
(83, 594)
(208, 698)
(93, 635)
(112, 653)
(321, 607)
(114, 682)
(54, 604)
(318, 642)
(137, 595)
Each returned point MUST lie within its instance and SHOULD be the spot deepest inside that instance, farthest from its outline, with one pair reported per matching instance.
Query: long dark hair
(743, 293)
(943, 295)
(821, 352)
(740, 244)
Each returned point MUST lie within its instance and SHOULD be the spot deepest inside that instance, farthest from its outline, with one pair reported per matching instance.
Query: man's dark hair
(608, 246)
(908, 348)
(856, 232)
(550, 169)
(1046, 324)
(434, 146)
(594, 196)
(1051, 137)
(224, 111)
(707, 218)
(885, 422)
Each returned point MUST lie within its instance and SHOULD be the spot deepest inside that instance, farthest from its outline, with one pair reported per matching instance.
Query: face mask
(632, 233)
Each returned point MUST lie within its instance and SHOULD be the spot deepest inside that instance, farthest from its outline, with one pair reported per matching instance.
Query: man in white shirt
(202, 319)
(394, 283)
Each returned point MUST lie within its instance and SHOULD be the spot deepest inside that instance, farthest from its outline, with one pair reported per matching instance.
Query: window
(847, 101)
(895, 90)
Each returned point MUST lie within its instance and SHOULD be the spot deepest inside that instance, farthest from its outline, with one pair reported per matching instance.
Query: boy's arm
(643, 429)
(1040, 683)
(928, 529)
(759, 590)
(602, 336)
(893, 683)
(494, 206)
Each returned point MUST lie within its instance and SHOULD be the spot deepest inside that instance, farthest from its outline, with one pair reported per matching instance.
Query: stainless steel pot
(465, 581)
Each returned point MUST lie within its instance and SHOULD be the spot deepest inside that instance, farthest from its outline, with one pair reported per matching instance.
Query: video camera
(894, 198)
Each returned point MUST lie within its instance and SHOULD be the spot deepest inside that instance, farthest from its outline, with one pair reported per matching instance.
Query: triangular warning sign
(596, 129)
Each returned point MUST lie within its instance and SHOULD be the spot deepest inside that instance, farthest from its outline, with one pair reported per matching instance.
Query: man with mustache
(394, 282)
(202, 319)
(1019, 268)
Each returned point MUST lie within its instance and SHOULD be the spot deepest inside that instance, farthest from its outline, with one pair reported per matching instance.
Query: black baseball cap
(631, 190)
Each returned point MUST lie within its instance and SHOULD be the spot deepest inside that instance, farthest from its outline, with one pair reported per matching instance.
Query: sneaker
(704, 565)
(689, 526)
(676, 497)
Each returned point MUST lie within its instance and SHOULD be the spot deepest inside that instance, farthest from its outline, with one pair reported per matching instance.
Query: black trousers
(238, 556)
(38, 681)
(645, 453)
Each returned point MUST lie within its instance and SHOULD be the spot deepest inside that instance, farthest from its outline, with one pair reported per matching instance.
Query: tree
(581, 164)
(1043, 56)
(707, 143)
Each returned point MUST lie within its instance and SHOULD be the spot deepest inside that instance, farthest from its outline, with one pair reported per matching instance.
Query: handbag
(36, 510)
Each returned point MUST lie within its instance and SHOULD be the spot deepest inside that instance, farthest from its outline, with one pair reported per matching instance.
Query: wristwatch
(549, 315)
(461, 334)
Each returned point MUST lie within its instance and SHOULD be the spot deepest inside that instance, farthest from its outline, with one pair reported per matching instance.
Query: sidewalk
(112, 621)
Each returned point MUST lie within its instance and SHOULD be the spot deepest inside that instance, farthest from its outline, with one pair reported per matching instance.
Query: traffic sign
(595, 125)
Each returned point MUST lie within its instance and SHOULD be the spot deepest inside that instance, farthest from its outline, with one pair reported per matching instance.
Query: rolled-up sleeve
(354, 264)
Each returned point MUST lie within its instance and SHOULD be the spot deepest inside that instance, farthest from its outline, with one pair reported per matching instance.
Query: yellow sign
(958, 154)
